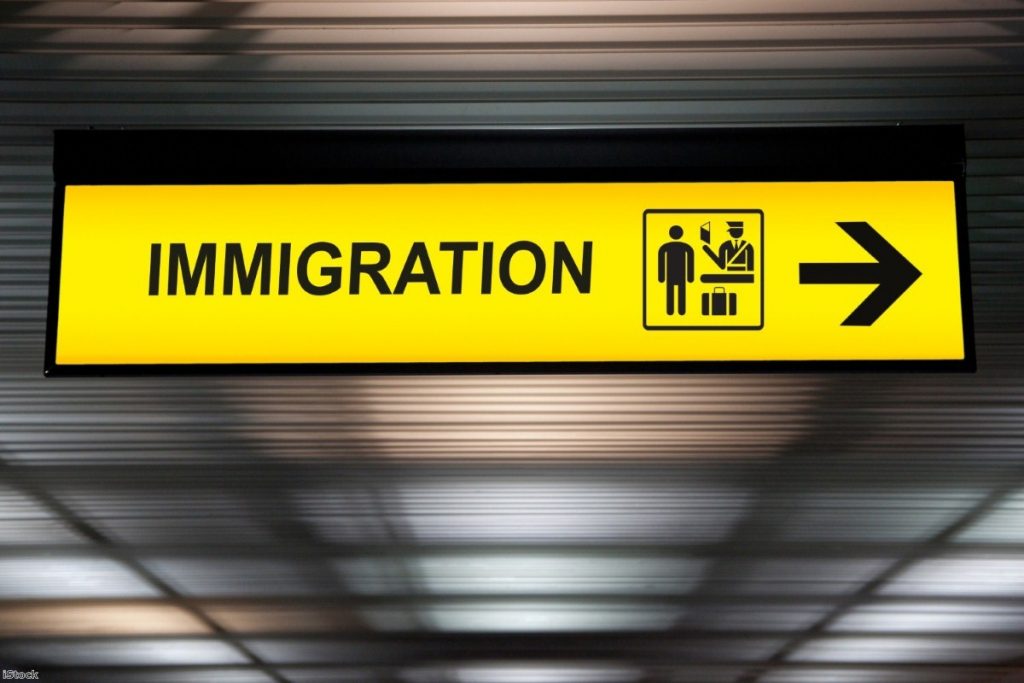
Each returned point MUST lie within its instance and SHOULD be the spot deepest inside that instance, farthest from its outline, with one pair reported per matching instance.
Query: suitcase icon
(718, 302)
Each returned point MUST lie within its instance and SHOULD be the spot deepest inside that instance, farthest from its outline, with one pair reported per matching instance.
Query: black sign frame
(197, 157)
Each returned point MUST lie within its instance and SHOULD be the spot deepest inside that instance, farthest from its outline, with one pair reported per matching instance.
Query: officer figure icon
(736, 254)
(735, 258)
(675, 269)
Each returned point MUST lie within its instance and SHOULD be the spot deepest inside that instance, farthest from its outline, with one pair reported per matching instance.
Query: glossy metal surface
(768, 528)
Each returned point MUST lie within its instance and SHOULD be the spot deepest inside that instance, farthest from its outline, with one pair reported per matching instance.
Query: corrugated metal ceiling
(778, 529)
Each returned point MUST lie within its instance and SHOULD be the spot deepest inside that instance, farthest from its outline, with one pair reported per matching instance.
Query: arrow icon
(891, 271)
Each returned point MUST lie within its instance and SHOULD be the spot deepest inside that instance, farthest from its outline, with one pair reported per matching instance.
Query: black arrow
(892, 272)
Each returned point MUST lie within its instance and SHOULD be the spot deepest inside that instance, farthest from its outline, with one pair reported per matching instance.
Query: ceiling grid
(771, 528)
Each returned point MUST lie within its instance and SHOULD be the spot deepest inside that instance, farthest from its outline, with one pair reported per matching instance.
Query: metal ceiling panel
(764, 528)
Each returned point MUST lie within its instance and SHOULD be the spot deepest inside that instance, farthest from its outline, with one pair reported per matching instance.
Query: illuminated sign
(510, 267)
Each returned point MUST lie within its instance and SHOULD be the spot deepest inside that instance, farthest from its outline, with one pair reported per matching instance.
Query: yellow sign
(509, 272)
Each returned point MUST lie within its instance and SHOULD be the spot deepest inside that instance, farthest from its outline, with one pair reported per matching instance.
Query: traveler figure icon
(675, 269)
(736, 254)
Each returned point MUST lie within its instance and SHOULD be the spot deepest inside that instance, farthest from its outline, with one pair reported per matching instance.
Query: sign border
(578, 155)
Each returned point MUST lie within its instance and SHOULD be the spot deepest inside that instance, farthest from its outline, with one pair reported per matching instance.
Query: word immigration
(521, 267)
